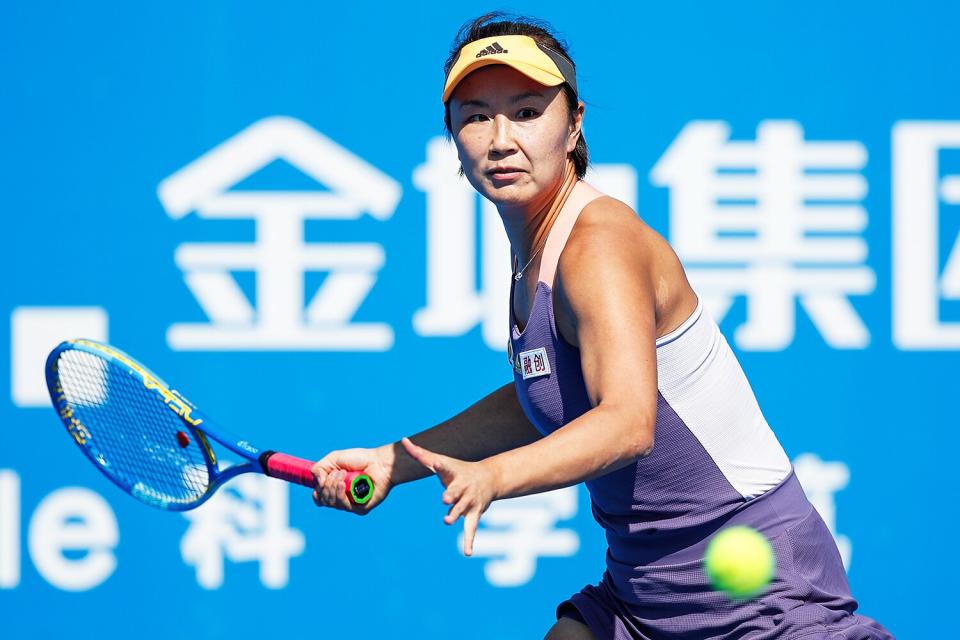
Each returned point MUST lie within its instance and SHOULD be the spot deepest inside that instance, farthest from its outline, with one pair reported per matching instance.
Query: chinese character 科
(920, 196)
(282, 317)
(461, 227)
(777, 220)
(246, 520)
(515, 532)
(820, 481)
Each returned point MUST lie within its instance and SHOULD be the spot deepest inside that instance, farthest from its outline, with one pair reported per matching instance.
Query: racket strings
(133, 434)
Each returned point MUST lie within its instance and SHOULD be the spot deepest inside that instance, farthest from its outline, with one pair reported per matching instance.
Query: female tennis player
(621, 380)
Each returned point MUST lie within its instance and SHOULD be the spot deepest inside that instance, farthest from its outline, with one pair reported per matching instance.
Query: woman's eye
(477, 117)
(527, 113)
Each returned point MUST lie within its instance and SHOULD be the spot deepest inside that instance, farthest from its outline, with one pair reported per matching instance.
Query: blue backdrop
(257, 203)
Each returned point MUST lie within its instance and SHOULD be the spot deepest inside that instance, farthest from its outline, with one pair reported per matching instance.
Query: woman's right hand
(331, 470)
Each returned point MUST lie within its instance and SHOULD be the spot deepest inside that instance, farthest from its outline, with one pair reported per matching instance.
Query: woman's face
(513, 135)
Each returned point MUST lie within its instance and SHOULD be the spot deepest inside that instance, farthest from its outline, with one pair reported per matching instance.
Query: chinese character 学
(515, 532)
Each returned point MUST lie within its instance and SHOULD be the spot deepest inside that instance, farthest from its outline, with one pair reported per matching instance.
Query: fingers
(451, 495)
(330, 478)
(319, 474)
(433, 461)
(332, 492)
(419, 454)
(470, 522)
(325, 465)
(455, 511)
(322, 470)
(329, 489)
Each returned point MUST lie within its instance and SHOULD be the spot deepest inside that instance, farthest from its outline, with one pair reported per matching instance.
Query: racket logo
(79, 432)
(180, 405)
(172, 399)
(246, 446)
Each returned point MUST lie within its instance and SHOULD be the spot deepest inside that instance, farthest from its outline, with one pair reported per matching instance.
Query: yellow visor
(523, 53)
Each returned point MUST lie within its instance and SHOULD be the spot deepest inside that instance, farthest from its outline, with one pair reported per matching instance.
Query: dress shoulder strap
(581, 195)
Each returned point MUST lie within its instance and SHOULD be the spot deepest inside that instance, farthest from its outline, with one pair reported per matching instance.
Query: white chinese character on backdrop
(820, 481)
(776, 220)
(248, 520)
(281, 317)
(515, 532)
(919, 191)
(457, 300)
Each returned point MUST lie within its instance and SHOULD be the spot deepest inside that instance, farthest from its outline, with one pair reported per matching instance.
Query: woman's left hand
(470, 488)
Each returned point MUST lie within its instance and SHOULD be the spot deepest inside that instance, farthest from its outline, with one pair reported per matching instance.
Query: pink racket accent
(297, 470)
(291, 469)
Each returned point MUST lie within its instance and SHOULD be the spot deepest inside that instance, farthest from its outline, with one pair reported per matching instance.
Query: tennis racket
(150, 440)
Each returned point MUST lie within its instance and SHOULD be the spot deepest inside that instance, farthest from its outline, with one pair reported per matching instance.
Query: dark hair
(498, 23)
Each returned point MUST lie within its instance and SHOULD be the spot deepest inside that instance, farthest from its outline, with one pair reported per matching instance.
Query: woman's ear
(576, 126)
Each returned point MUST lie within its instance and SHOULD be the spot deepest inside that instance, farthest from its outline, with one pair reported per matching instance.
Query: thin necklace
(569, 181)
(519, 274)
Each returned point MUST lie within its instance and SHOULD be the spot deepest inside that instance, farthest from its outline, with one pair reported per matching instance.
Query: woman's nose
(503, 140)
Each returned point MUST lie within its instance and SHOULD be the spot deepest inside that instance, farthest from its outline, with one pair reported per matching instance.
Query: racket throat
(263, 459)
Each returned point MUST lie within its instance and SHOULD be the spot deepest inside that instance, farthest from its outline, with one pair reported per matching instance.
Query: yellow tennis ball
(740, 562)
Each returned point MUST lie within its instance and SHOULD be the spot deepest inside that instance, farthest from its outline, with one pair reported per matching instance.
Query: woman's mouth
(504, 174)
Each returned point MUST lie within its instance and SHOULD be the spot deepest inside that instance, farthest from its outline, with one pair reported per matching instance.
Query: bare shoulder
(612, 251)
(608, 233)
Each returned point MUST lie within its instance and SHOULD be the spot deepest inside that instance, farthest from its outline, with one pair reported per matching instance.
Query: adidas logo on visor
(492, 49)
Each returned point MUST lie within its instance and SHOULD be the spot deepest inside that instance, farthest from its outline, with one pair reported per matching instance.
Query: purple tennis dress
(715, 463)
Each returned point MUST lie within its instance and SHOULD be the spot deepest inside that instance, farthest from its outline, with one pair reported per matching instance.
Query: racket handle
(289, 468)
(358, 485)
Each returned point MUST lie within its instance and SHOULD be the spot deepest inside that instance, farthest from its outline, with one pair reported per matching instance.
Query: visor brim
(535, 73)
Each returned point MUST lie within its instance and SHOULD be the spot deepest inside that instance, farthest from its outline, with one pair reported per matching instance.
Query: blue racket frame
(190, 416)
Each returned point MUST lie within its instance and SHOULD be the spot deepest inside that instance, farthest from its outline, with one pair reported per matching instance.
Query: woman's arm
(493, 424)
(606, 292)
(605, 288)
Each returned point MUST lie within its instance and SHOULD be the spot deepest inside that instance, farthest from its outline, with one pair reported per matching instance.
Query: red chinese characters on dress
(538, 363)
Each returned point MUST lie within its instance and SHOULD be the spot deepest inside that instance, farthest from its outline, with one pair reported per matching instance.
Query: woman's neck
(528, 232)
